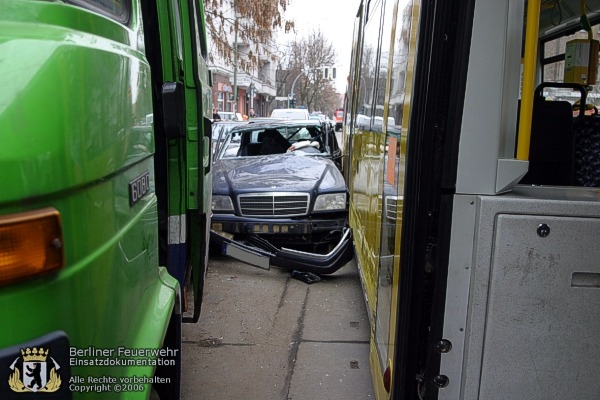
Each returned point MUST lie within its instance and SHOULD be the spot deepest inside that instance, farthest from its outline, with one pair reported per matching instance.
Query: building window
(230, 103)
(220, 104)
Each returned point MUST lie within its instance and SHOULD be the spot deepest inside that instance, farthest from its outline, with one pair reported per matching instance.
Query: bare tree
(327, 100)
(282, 79)
(255, 21)
(303, 69)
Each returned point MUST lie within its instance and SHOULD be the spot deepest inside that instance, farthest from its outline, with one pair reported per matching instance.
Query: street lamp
(252, 92)
(294, 84)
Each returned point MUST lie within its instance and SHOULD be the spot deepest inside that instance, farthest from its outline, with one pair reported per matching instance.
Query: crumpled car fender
(262, 254)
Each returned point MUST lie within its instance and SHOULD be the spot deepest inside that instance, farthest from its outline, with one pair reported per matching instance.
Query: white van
(290, 113)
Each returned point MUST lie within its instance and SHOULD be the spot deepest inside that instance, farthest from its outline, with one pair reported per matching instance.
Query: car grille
(273, 204)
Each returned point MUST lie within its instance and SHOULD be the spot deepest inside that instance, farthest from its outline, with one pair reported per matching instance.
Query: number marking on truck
(139, 187)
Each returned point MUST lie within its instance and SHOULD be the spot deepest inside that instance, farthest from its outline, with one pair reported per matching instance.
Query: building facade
(256, 86)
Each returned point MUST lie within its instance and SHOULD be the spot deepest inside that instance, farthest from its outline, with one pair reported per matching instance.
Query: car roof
(229, 122)
(259, 120)
(289, 112)
(280, 124)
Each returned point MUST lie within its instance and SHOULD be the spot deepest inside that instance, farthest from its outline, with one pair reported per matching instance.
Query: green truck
(105, 195)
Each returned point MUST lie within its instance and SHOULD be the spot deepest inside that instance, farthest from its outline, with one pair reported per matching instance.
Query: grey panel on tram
(524, 317)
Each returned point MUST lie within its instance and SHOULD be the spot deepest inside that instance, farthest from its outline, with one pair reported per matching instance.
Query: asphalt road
(265, 335)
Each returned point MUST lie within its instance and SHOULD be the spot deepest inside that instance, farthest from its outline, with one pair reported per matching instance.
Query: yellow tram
(473, 198)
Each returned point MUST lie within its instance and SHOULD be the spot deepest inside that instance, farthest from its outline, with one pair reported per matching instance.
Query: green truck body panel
(76, 109)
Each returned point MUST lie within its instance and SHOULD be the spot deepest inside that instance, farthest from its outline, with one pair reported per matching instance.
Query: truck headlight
(333, 201)
(222, 203)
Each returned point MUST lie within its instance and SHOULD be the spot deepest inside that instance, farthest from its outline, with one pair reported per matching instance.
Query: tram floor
(264, 335)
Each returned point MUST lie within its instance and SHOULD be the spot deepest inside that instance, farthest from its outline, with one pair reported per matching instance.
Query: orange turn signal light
(31, 244)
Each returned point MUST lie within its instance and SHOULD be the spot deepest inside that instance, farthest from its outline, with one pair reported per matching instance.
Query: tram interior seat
(552, 146)
(587, 152)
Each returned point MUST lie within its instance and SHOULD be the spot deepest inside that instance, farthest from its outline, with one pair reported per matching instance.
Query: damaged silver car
(279, 198)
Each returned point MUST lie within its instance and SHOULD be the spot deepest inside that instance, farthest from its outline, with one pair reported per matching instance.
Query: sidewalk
(264, 335)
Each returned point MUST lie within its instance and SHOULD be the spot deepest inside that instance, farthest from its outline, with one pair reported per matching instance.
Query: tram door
(389, 101)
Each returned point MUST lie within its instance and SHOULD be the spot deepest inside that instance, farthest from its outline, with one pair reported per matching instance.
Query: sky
(335, 18)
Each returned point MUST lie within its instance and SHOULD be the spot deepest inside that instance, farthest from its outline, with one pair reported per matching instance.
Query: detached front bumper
(262, 254)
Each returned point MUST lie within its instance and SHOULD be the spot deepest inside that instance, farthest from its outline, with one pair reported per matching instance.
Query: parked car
(330, 122)
(280, 199)
(230, 116)
(321, 118)
(338, 117)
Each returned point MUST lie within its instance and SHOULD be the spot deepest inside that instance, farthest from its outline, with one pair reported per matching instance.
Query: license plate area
(244, 255)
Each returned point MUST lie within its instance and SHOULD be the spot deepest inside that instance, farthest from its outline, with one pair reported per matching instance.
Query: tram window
(351, 100)
(399, 67)
(553, 66)
(367, 81)
(383, 65)
(118, 10)
(370, 61)
(556, 47)
(554, 72)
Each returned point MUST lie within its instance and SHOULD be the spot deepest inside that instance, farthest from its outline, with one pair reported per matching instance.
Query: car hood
(285, 172)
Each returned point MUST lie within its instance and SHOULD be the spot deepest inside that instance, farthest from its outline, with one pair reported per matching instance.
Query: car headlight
(222, 203)
(333, 201)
